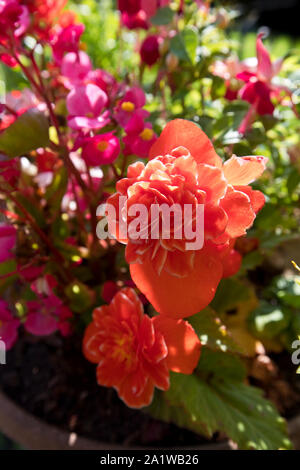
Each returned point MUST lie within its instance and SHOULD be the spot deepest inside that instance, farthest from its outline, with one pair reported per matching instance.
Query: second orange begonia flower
(134, 352)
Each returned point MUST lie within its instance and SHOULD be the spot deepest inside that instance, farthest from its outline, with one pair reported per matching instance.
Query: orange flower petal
(257, 199)
(215, 221)
(244, 170)
(91, 343)
(183, 133)
(193, 292)
(183, 344)
(109, 373)
(231, 263)
(127, 393)
(238, 208)
(212, 181)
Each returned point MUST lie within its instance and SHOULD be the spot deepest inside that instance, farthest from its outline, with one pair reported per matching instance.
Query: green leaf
(29, 132)
(251, 260)
(293, 181)
(211, 332)
(191, 41)
(221, 364)
(228, 294)
(163, 16)
(218, 87)
(268, 321)
(177, 47)
(232, 407)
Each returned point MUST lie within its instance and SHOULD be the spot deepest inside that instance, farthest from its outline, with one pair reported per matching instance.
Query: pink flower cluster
(96, 101)
(252, 81)
(46, 313)
(137, 13)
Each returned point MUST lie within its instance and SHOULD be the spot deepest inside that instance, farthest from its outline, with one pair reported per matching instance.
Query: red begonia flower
(185, 169)
(134, 352)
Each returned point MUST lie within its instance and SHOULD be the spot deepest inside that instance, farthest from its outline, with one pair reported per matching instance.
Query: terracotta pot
(34, 434)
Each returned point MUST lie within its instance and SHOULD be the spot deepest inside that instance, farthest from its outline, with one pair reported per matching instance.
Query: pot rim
(15, 423)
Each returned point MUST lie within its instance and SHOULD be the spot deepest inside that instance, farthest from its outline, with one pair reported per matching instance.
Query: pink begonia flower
(228, 69)
(140, 141)
(66, 40)
(30, 273)
(137, 13)
(149, 50)
(100, 149)
(8, 60)
(8, 237)
(14, 19)
(103, 80)
(8, 326)
(21, 99)
(131, 105)
(132, 15)
(85, 105)
(75, 66)
(44, 285)
(46, 315)
(259, 88)
(109, 289)
(10, 171)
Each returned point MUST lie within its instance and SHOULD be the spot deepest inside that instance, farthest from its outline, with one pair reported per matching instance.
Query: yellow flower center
(123, 350)
(102, 146)
(147, 134)
(128, 106)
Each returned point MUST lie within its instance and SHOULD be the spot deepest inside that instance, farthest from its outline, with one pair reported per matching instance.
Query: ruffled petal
(127, 393)
(212, 181)
(91, 344)
(183, 133)
(215, 221)
(244, 170)
(239, 211)
(257, 199)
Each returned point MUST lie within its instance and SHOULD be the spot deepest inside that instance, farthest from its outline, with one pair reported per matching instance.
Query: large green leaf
(163, 16)
(268, 321)
(29, 132)
(177, 47)
(229, 293)
(191, 42)
(226, 365)
(211, 332)
(234, 408)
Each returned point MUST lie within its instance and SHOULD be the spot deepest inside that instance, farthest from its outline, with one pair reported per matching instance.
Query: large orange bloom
(134, 352)
(185, 169)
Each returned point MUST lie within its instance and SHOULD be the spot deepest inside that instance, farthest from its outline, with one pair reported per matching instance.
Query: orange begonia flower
(185, 169)
(134, 352)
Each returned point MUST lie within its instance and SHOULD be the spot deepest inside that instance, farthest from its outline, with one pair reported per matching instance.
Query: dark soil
(52, 380)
